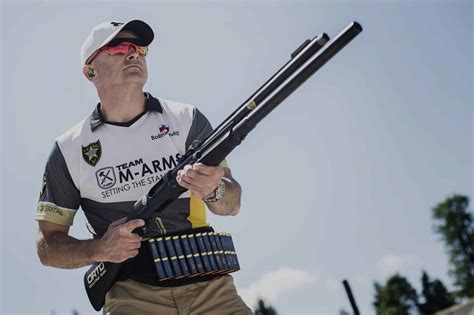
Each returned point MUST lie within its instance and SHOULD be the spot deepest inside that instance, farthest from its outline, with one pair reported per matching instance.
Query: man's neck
(121, 104)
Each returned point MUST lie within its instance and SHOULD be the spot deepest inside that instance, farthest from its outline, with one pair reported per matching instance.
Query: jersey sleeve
(59, 197)
(200, 129)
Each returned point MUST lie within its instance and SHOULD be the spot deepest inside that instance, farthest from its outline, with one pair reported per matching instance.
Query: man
(114, 156)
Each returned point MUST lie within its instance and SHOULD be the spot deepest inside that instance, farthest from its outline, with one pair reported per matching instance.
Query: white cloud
(274, 284)
(390, 264)
(333, 284)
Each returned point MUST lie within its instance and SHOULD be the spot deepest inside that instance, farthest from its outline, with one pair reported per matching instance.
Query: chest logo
(92, 153)
(164, 131)
(164, 128)
(106, 177)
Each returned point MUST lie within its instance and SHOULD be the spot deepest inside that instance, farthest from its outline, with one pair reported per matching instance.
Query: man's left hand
(200, 179)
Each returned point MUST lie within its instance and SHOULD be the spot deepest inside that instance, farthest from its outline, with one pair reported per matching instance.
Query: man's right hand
(119, 243)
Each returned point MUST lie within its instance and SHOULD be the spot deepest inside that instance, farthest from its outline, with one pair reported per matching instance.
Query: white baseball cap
(103, 33)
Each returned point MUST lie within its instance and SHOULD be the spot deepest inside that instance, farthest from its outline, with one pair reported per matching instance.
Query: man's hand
(200, 179)
(119, 243)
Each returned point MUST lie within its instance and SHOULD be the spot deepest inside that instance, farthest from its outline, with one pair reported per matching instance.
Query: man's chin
(135, 77)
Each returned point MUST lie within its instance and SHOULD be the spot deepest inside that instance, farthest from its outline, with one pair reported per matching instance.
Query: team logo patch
(105, 177)
(164, 128)
(92, 153)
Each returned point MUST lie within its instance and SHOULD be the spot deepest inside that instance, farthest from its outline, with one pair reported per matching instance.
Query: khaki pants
(217, 296)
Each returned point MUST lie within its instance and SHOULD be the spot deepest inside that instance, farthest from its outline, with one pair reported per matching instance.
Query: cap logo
(116, 23)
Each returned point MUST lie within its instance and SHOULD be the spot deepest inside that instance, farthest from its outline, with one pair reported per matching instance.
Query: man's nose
(132, 53)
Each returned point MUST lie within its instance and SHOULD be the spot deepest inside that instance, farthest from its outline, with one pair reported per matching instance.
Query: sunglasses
(120, 46)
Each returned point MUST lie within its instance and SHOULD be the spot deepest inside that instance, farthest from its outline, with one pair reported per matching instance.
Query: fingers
(189, 172)
(200, 179)
(201, 175)
(187, 177)
(134, 238)
(120, 232)
(119, 221)
(207, 170)
(197, 190)
(200, 170)
(129, 249)
(133, 224)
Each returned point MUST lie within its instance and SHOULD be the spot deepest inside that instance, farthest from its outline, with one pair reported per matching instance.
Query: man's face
(120, 69)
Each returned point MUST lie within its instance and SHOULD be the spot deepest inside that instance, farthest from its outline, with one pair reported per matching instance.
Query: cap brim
(143, 31)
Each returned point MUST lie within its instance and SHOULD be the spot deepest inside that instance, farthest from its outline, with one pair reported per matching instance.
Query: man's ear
(89, 72)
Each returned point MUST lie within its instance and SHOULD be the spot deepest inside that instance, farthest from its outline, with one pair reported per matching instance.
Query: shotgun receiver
(304, 62)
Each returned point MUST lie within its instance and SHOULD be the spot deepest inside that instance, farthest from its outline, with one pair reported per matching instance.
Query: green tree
(436, 296)
(455, 224)
(396, 297)
(263, 309)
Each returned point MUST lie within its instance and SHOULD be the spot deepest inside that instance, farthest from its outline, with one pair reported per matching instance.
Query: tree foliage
(396, 297)
(436, 296)
(455, 224)
(263, 309)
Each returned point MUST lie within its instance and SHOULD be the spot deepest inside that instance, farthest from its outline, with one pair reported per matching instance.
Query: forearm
(63, 251)
(230, 203)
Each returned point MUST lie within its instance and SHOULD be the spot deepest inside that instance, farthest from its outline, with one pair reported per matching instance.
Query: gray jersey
(105, 167)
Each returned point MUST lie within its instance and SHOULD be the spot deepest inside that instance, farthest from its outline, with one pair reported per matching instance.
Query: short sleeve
(200, 129)
(59, 197)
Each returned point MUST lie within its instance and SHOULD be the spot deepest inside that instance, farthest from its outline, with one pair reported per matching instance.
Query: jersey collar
(151, 104)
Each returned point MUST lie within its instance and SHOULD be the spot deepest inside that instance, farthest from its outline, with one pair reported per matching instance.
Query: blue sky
(338, 182)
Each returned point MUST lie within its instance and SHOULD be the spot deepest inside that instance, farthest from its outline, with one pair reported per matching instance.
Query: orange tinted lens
(142, 50)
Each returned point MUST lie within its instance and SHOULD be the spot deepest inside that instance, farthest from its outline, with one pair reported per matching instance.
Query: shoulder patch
(92, 153)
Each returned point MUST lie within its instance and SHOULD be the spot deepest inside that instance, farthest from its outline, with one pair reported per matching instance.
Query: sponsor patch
(92, 153)
(164, 128)
(96, 274)
(106, 177)
(165, 131)
(133, 174)
(53, 209)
